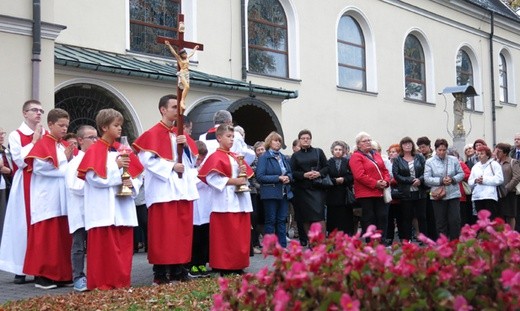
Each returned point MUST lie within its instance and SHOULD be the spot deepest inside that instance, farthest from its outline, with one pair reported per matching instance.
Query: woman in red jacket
(370, 179)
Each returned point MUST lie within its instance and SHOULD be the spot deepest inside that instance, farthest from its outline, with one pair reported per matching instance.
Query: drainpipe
(492, 63)
(244, 51)
(36, 49)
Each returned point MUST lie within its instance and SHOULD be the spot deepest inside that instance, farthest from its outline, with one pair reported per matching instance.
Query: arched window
(502, 69)
(267, 38)
(351, 54)
(414, 69)
(152, 18)
(465, 75)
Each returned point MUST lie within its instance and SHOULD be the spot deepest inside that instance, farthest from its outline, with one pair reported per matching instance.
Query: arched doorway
(83, 101)
(255, 116)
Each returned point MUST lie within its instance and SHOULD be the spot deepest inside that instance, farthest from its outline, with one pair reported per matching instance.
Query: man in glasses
(86, 136)
(17, 218)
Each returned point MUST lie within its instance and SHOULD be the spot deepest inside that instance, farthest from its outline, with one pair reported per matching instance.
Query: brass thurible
(241, 188)
(124, 151)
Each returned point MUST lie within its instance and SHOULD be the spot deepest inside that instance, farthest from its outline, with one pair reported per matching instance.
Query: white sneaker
(80, 285)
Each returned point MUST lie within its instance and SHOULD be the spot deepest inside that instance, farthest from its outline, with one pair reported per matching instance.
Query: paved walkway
(141, 276)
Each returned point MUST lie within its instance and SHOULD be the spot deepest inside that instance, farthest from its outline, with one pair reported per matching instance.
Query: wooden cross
(180, 43)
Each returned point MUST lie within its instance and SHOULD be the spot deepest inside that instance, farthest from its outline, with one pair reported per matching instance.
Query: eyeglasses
(93, 138)
(366, 141)
(36, 110)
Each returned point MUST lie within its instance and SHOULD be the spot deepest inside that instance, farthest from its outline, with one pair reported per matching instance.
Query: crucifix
(183, 77)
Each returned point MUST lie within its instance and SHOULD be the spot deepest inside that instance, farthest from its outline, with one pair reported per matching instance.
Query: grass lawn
(194, 295)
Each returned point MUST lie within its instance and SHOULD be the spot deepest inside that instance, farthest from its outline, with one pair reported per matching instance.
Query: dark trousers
(255, 220)
(141, 231)
(374, 211)
(447, 217)
(418, 209)
(431, 223)
(490, 205)
(394, 216)
(302, 236)
(340, 217)
(517, 226)
(466, 212)
(200, 245)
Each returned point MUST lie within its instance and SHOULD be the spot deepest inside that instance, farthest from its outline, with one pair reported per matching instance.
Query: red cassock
(170, 224)
(25, 140)
(230, 233)
(49, 241)
(109, 249)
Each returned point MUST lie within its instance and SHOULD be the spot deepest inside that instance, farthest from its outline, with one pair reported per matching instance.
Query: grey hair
(362, 135)
(81, 131)
(453, 152)
(222, 117)
(240, 129)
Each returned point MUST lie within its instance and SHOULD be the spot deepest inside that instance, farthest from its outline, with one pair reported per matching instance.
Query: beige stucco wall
(97, 24)
(16, 66)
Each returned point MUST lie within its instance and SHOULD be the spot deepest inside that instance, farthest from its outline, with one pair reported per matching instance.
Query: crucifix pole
(182, 74)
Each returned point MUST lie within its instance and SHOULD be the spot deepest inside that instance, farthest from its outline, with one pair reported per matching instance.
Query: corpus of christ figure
(183, 61)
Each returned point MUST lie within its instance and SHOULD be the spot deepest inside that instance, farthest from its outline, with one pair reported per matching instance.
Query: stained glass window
(415, 82)
(351, 54)
(267, 38)
(152, 18)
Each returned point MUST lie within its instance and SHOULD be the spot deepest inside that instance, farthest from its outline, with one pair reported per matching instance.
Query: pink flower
(478, 267)
(460, 304)
(281, 298)
(372, 233)
(511, 280)
(483, 218)
(315, 233)
(348, 304)
(223, 283)
(383, 256)
(219, 304)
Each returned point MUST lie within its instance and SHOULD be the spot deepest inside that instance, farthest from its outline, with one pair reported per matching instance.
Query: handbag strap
(318, 154)
(373, 162)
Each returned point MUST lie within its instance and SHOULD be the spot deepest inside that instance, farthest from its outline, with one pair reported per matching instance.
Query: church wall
(96, 24)
(16, 65)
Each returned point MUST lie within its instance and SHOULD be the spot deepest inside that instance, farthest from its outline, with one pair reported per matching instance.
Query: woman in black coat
(339, 215)
(408, 171)
(308, 164)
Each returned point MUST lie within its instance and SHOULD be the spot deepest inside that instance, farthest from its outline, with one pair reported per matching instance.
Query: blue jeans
(275, 218)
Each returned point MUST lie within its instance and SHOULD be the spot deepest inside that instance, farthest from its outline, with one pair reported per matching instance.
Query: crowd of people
(67, 198)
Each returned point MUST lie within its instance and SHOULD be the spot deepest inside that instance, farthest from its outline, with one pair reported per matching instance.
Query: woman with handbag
(486, 175)
(408, 171)
(339, 211)
(443, 173)
(274, 175)
(371, 178)
(309, 165)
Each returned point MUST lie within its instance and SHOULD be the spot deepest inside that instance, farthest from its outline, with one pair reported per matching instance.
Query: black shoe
(65, 283)
(44, 283)
(160, 280)
(181, 276)
(19, 279)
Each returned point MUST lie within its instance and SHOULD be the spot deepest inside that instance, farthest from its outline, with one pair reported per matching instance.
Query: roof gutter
(492, 78)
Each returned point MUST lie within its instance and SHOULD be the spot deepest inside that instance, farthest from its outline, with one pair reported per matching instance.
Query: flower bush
(481, 270)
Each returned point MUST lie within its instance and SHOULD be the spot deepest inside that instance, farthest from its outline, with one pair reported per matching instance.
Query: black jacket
(336, 194)
(404, 180)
